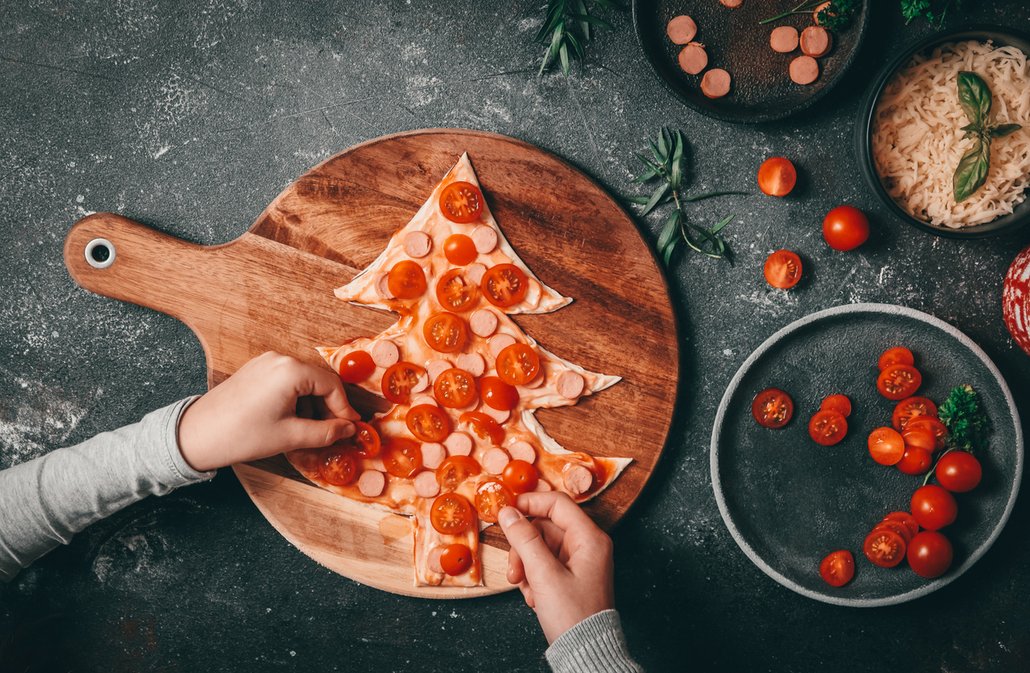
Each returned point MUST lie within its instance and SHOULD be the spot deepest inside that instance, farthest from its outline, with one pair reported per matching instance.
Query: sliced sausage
(499, 342)
(422, 383)
(816, 41)
(522, 450)
(570, 385)
(426, 485)
(475, 272)
(577, 479)
(495, 460)
(385, 353)
(473, 363)
(437, 367)
(540, 378)
(693, 58)
(732, 4)
(371, 483)
(458, 444)
(483, 322)
(499, 415)
(784, 39)
(681, 29)
(433, 453)
(433, 560)
(417, 244)
(804, 70)
(715, 83)
(484, 238)
(383, 286)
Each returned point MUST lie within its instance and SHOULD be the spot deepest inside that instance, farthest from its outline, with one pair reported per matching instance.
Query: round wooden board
(272, 289)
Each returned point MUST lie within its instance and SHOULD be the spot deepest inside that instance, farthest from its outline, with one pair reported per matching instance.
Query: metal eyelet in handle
(100, 253)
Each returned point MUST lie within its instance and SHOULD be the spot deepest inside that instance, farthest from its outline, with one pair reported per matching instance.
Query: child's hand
(561, 560)
(274, 403)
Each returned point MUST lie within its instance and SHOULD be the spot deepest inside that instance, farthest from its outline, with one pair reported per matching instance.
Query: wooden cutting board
(272, 289)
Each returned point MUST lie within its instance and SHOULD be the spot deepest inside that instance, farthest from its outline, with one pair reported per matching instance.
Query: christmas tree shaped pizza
(461, 440)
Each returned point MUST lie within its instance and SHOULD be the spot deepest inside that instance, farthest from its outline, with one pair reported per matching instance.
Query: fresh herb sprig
(975, 98)
(666, 165)
(927, 9)
(568, 28)
(836, 15)
(967, 423)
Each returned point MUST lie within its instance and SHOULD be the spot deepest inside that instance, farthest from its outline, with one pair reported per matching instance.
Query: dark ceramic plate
(788, 502)
(762, 90)
(1020, 216)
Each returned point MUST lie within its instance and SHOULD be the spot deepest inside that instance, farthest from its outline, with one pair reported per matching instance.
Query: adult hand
(561, 560)
(274, 403)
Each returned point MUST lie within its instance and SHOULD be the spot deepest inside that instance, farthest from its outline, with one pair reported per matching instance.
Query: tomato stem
(933, 468)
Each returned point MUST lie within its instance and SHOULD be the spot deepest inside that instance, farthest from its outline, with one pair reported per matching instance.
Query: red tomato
(406, 280)
(783, 269)
(933, 425)
(905, 518)
(459, 249)
(897, 526)
(520, 476)
(827, 427)
(461, 202)
(429, 423)
(402, 457)
(772, 408)
(884, 547)
(777, 176)
(398, 381)
(504, 285)
(455, 470)
(915, 461)
(886, 446)
(845, 228)
(910, 408)
(518, 364)
(497, 394)
(837, 568)
(959, 471)
(356, 366)
(839, 403)
(339, 468)
(367, 439)
(457, 293)
(491, 497)
(920, 439)
(930, 554)
(445, 332)
(934, 507)
(899, 381)
(898, 355)
(455, 388)
(451, 514)
(456, 559)
(484, 426)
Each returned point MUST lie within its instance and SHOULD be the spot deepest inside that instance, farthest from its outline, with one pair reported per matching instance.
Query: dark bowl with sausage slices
(864, 129)
(735, 41)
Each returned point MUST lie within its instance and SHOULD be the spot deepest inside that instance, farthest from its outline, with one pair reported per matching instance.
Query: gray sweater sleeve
(45, 501)
(595, 645)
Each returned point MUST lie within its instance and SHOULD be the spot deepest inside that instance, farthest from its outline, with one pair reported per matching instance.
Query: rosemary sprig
(568, 29)
(667, 166)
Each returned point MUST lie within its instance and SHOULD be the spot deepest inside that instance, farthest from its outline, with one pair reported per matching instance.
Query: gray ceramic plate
(788, 502)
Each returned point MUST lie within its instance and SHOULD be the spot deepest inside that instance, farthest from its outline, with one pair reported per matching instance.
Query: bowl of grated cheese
(914, 137)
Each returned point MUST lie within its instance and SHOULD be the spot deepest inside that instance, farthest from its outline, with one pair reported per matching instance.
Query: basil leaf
(971, 172)
(1004, 130)
(975, 97)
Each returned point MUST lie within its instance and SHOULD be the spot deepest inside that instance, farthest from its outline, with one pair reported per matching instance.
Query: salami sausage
(473, 363)
(784, 39)
(458, 444)
(417, 244)
(693, 58)
(495, 460)
(484, 238)
(383, 287)
(577, 479)
(816, 41)
(385, 353)
(437, 367)
(715, 83)
(433, 454)
(475, 272)
(804, 70)
(681, 29)
(570, 385)
(426, 485)
(499, 342)
(522, 450)
(732, 4)
(371, 483)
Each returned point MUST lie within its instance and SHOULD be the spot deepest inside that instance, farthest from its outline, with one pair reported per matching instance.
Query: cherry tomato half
(899, 381)
(905, 518)
(837, 568)
(827, 427)
(402, 457)
(367, 440)
(456, 559)
(772, 408)
(461, 202)
(399, 379)
(459, 249)
(457, 293)
(839, 403)
(518, 364)
(455, 388)
(933, 425)
(451, 514)
(915, 461)
(930, 554)
(497, 394)
(896, 526)
(920, 439)
(520, 476)
(898, 355)
(886, 446)
(428, 422)
(504, 285)
(959, 471)
(338, 467)
(912, 407)
(491, 497)
(445, 332)
(934, 507)
(483, 426)
(455, 470)
(845, 228)
(884, 547)
(783, 269)
(406, 280)
(356, 366)
(777, 176)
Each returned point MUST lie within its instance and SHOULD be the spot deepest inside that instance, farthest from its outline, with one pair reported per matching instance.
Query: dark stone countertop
(191, 117)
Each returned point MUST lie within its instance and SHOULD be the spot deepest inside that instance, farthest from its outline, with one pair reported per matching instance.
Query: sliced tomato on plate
(491, 497)
(399, 380)
(772, 408)
(504, 285)
(518, 364)
(920, 439)
(497, 394)
(454, 470)
(777, 176)
(933, 425)
(886, 446)
(483, 426)
(884, 547)
(783, 269)
(338, 467)
(455, 388)
(445, 332)
(406, 280)
(402, 457)
(451, 514)
(456, 292)
(839, 403)
(827, 427)
(910, 408)
(367, 440)
(897, 382)
(838, 568)
(905, 518)
(461, 202)
(428, 422)
(898, 355)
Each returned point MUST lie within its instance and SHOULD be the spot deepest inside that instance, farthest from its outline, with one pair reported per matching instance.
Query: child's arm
(562, 563)
(253, 414)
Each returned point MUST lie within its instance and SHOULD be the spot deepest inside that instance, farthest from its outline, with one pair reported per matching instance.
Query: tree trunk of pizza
(461, 440)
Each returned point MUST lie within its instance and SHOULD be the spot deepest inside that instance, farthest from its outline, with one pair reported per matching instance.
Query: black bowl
(1020, 216)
